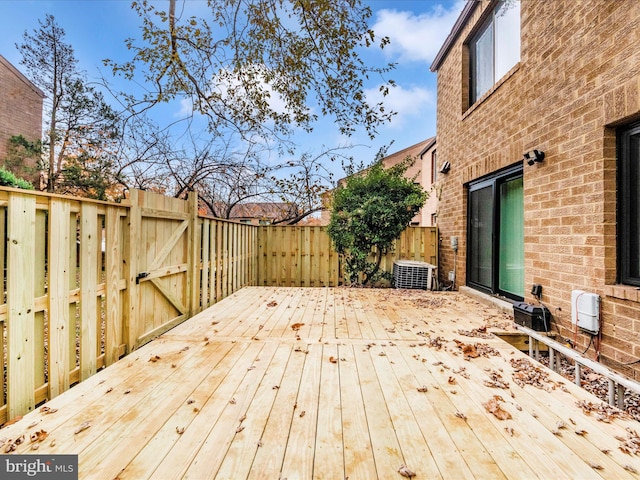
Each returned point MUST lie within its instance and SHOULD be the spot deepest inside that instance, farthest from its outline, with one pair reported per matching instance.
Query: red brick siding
(20, 107)
(579, 77)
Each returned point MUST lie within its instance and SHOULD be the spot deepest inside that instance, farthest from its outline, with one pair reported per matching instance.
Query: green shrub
(8, 179)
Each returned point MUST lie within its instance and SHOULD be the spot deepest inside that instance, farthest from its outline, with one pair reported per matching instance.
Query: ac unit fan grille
(412, 274)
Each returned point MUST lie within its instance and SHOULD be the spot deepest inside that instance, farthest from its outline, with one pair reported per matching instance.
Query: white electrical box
(585, 310)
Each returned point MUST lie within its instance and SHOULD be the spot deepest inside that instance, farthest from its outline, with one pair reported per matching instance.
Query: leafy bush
(369, 212)
(8, 179)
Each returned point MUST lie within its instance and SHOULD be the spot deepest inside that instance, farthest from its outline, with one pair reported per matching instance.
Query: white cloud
(408, 102)
(416, 37)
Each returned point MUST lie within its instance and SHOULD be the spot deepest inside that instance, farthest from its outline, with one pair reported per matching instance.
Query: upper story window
(495, 48)
(629, 205)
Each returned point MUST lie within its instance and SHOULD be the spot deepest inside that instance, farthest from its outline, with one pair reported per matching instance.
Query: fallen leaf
(82, 427)
(10, 447)
(38, 436)
(629, 468)
(581, 432)
(296, 326)
(127, 391)
(493, 406)
(461, 415)
(154, 358)
(180, 430)
(452, 381)
(422, 389)
(333, 359)
(232, 401)
(405, 472)
(109, 390)
(273, 303)
(509, 430)
(302, 413)
(242, 418)
(240, 428)
(19, 440)
(595, 466)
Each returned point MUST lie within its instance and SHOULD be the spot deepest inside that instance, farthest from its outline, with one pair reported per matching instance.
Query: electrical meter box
(585, 310)
(532, 316)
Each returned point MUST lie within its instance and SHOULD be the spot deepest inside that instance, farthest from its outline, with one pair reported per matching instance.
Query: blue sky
(97, 29)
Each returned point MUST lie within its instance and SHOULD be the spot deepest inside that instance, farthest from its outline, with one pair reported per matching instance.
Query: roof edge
(466, 13)
(21, 76)
(432, 142)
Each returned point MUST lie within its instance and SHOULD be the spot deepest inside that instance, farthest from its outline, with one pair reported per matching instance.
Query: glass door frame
(494, 180)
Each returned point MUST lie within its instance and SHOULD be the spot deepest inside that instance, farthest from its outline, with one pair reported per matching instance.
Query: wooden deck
(334, 383)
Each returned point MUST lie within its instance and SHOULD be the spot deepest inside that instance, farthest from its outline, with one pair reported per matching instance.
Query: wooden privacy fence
(303, 255)
(86, 282)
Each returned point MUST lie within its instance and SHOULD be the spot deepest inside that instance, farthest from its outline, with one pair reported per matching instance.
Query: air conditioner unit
(585, 310)
(413, 274)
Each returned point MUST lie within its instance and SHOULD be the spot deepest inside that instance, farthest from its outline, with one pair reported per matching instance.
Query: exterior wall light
(534, 156)
(446, 166)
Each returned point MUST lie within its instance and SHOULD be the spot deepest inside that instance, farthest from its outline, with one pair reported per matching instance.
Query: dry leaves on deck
(496, 380)
(406, 472)
(296, 326)
(82, 427)
(631, 444)
(468, 350)
(39, 436)
(494, 406)
(272, 303)
(480, 332)
(528, 374)
(603, 411)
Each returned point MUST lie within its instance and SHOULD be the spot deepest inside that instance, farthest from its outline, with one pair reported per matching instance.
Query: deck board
(237, 392)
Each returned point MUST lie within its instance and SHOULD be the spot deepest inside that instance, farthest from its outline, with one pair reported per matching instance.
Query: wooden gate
(160, 271)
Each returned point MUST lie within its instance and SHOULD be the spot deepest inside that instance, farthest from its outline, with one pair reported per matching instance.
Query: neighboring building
(260, 213)
(20, 111)
(424, 170)
(561, 77)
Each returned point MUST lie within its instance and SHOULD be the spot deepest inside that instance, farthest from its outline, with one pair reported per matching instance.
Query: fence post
(21, 225)
(130, 256)
(193, 260)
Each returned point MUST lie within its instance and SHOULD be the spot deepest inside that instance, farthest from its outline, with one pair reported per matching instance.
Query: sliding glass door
(495, 257)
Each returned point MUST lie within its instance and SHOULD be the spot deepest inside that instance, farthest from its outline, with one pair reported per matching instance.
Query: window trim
(628, 234)
(434, 167)
(486, 22)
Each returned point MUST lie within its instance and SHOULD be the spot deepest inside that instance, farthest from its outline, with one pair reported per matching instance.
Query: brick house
(539, 117)
(20, 110)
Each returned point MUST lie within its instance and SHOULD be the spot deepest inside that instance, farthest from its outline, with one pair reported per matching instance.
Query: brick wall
(579, 77)
(20, 107)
